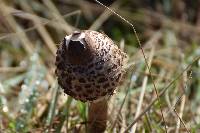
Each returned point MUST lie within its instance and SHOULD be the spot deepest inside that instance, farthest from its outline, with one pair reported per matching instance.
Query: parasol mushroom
(89, 67)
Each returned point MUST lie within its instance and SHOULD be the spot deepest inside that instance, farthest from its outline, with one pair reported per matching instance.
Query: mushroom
(89, 67)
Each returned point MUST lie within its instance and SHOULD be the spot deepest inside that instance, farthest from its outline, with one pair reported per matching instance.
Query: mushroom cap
(89, 66)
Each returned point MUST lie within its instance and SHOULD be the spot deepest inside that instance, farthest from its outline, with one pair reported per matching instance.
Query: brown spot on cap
(82, 80)
(101, 80)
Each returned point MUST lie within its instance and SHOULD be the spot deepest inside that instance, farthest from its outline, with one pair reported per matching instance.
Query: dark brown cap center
(76, 48)
(77, 51)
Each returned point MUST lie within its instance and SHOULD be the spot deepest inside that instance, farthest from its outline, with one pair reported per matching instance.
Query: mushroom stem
(97, 116)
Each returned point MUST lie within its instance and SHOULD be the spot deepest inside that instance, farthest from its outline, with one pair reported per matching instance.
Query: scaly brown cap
(89, 65)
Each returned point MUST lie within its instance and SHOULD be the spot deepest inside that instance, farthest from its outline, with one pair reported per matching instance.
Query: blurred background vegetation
(169, 31)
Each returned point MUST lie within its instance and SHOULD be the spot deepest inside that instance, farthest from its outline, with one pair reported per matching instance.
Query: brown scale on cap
(89, 65)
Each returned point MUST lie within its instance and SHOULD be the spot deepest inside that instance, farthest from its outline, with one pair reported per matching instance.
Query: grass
(31, 100)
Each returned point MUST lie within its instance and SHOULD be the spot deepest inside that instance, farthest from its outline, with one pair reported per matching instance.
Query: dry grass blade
(122, 104)
(161, 94)
(25, 41)
(44, 21)
(180, 114)
(144, 84)
(27, 44)
(137, 38)
(42, 31)
(12, 69)
(57, 16)
(104, 16)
